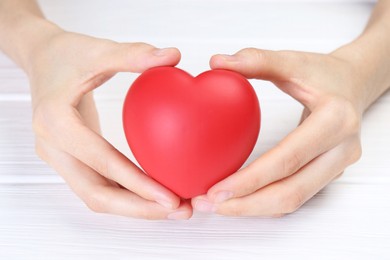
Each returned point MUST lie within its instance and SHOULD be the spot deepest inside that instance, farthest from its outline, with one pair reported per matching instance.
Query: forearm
(23, 29)
(370, 56)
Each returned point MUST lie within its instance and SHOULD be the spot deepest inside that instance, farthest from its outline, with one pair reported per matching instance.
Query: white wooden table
(40, 218)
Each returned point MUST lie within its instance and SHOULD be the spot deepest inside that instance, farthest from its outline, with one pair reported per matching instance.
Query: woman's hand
(64, 70)
(317, 151)
(335, 90)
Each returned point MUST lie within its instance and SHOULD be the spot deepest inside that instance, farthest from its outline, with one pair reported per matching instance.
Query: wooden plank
(40, 218)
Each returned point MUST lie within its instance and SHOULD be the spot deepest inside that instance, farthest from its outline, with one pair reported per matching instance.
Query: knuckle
(234, 209)
(291, 163)
(352, 122)
(255, 55)
(251, 181)
(101, 162)
(136, 49)
(354, 152)
(252, 185)
(290, 201)
(254, 59)
(101, 166)
(96, 201)
(136, 55)
(139, 45)
(249, 51)
(344, 115)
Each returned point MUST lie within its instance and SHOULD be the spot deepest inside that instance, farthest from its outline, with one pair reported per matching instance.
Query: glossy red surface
(189, 133)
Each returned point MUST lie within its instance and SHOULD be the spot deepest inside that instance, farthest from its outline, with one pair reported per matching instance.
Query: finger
(338, 176)
(279, 67)
(123, 57)
(101, 156)
(88, 112)
(305, 114)
(122, 202)
(287, 195)
(65, 129)
(104, 196)
(320, 132)
(256, 63)
(138, 57)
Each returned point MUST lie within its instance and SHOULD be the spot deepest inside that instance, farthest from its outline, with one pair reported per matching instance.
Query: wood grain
(40, 218)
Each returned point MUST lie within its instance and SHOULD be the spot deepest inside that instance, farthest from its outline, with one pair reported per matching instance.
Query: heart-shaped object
(189, 133)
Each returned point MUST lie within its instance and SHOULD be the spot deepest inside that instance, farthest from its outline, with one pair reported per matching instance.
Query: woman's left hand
(326, 141)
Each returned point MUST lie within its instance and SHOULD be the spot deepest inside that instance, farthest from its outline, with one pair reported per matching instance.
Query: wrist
(369, 63)
(26, 35)
(368, 57)
(40, 31)
(354, 80)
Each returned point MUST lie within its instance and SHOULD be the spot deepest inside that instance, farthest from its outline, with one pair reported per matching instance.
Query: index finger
(320, 132)
(72, 136)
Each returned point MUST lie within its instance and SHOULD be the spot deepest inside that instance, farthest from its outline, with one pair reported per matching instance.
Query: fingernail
(222, 196)
(205, 206)
(178, 215)
(165, 203)
(161, 52)
(227, 57)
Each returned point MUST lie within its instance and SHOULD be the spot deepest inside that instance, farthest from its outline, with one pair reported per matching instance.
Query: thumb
(286, 69)
(138, 57)
(259, 64)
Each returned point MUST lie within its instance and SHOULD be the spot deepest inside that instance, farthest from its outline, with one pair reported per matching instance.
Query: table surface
(40, 218)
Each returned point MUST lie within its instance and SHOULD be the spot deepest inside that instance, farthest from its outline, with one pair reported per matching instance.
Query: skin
(64, 68)
(335, 90)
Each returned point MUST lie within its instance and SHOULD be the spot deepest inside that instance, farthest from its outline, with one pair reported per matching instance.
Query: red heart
(189, 133)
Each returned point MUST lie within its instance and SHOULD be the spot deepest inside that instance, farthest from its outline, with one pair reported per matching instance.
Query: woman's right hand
(64, 70)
